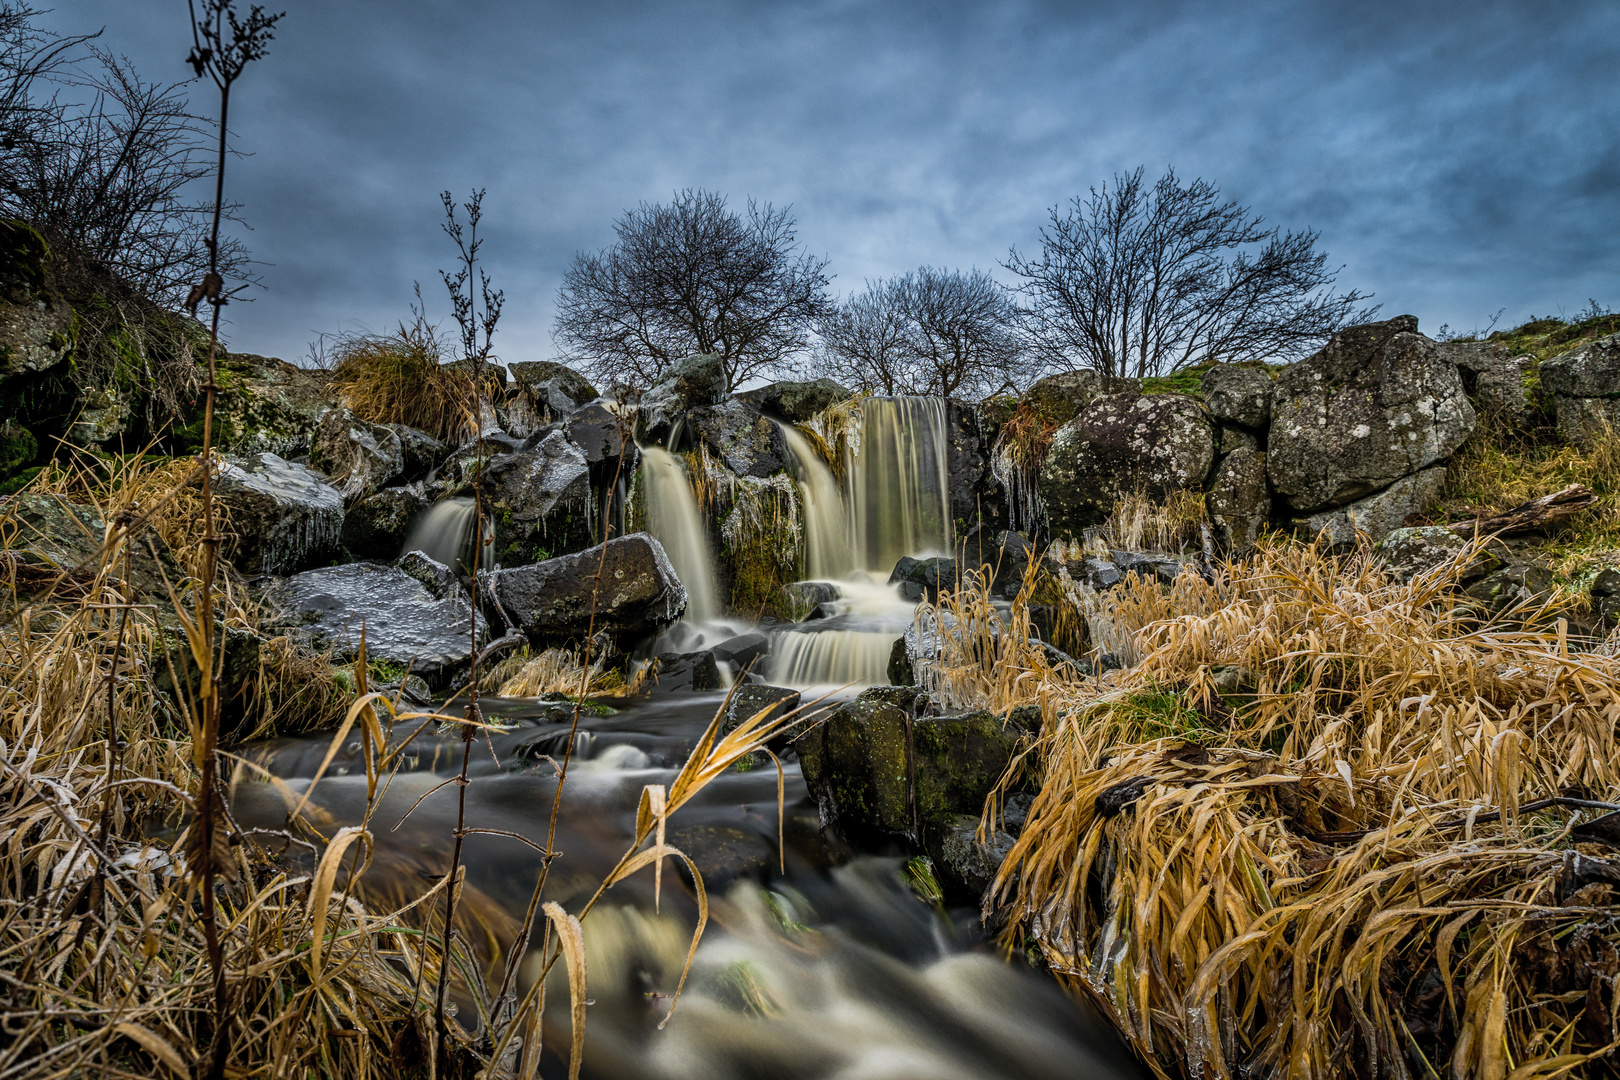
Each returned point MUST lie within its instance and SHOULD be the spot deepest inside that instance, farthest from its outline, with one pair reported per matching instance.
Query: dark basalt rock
(551, 390)
(743, 650)
(796, 402)
(1377, 404)
(930, 575)
(284, 517)
(361, 458)
(539, 501)
(694, 382)
(551, 601)
(685, 671)
(744, 438)
(376, 526)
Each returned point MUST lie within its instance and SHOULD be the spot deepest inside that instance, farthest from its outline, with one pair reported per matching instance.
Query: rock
(775, 701)
(69, 535)
(966, 865)
(600, 433)
(1151, 565)
(422, 452)
(1380, 514)
(1377, 404)
(1493, 377)
(743, 650)
(1235, 438)
(685, 671)
(809, 594)
(240, 682)
(361, 458)
(1007, 561)
(36, 324)
(283, 516)
(404, 622)
(744, 439)
(1239, 499)
(1119, 444)
(551, 390)
(1591, 371)
(18, 451)
(539, 501)
(856, 765)
(551, 601)
(376, 526)
(691, 383)
(900, 671)
(264, 405)
(1238, 394)
(931, 575)
(1607, 582)
(1408, 552)
(1512, 586)
(1582, 419)
(796, 402)
(1060, 398)
(976, 495)
(434, 576)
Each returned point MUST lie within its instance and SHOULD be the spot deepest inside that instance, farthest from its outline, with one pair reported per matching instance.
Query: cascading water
(445, 533)
(674, 518)
(897, 504)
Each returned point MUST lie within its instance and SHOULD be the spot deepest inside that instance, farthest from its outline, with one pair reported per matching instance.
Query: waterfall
(673, 517)
(898, 482)
(445, 533)
(827, 553)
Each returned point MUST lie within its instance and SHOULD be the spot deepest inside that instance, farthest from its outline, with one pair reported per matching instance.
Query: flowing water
(899, 486)
(674, 518)
(816, 962)
(445, 532)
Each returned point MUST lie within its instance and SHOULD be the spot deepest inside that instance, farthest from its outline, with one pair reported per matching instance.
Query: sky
(1458, 158)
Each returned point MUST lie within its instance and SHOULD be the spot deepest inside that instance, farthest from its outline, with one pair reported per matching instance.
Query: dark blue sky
(1456, 157)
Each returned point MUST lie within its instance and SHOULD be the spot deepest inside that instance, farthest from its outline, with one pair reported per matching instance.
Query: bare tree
(1140, 281)
(692, 277)
(931, 331)
(103, 162)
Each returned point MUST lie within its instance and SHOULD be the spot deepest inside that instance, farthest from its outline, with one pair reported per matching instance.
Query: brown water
(829, 968)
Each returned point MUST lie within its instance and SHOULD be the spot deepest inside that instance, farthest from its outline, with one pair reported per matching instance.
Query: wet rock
(376, 526)
(930, 575)
(1408, 552)
(867, 784)
(403, 621)
(685, 671)
(360, 458)
(746, 701)
(900, 671)
(284, 517)
(744, 439)
(1239, 499)
(50, 529)
(1380, 514)
(742, 651)
(552, 601)
(691, 383)
(1007, 561)
(264, 405)
(539, 501)
(811, 594)
(551, 390)
(1061, 397)
(1238, 394)
(1493, 377)
(1120, 444)
(796, 402)
(434, 576)
(1377, 404)
(976, 495)
(967, 865)
(1093, 571)
(422, 453)
(1152, 565)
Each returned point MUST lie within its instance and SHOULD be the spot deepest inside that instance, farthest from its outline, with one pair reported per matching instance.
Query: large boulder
(1120, 444)
(1494, 378)
(264, 405)
(1585, 388)
(539, 501)
(551, 391)
(796, 402)
(687, 384)
(422, 452)
(1238, 394)
(1378, 403)
(552, 601)
(1239, 499)
(360, 458)
(1379, 514)
(403, 620)
(871, 764)
(284, 517)
(36, 325)
(976, 496)
(1060, 398)
(377, 525)
(746, 440)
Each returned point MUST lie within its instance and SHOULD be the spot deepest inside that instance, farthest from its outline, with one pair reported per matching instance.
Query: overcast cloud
(1458, 158)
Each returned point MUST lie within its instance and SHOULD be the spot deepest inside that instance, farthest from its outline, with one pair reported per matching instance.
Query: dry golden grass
(1305, 835)
(398, 379)
(556, 671)
(1140, 523)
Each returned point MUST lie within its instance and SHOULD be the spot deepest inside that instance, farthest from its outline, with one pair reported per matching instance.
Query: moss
(1189, 381)
(1550, 336)
(18, 449)
(1164, 714)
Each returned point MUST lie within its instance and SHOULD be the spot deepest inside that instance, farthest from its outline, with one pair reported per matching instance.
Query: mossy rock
(18, 449)
(24, 259)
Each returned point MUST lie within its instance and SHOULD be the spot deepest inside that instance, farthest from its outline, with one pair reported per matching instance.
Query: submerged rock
(1377, 404)
(404, 622)
(284, 517)
(552, 601)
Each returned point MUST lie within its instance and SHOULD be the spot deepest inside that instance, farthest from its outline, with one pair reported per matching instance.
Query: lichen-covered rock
(361, 458)
(283, 516)
(552, 601)
(551, 390)
(1238, 394)
(404, 622)
(1060, 398)
(691, 383)
(377, 525)
(36, 325)
(1239, 499)
(796, 402)
(1525, 586)
(539, 501)
(1378, 403)
(264, 405)
(1585, 388)
(1494, 378)
(1379, 514)
(1119, 444)
(1408, 552)
(1582, 419)
(856, 765)
(744, 439)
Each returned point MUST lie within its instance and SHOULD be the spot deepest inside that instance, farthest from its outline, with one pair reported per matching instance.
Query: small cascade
(899, 487)
(827, 659)
(445, 533)
(674, 519)
(827, 552)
